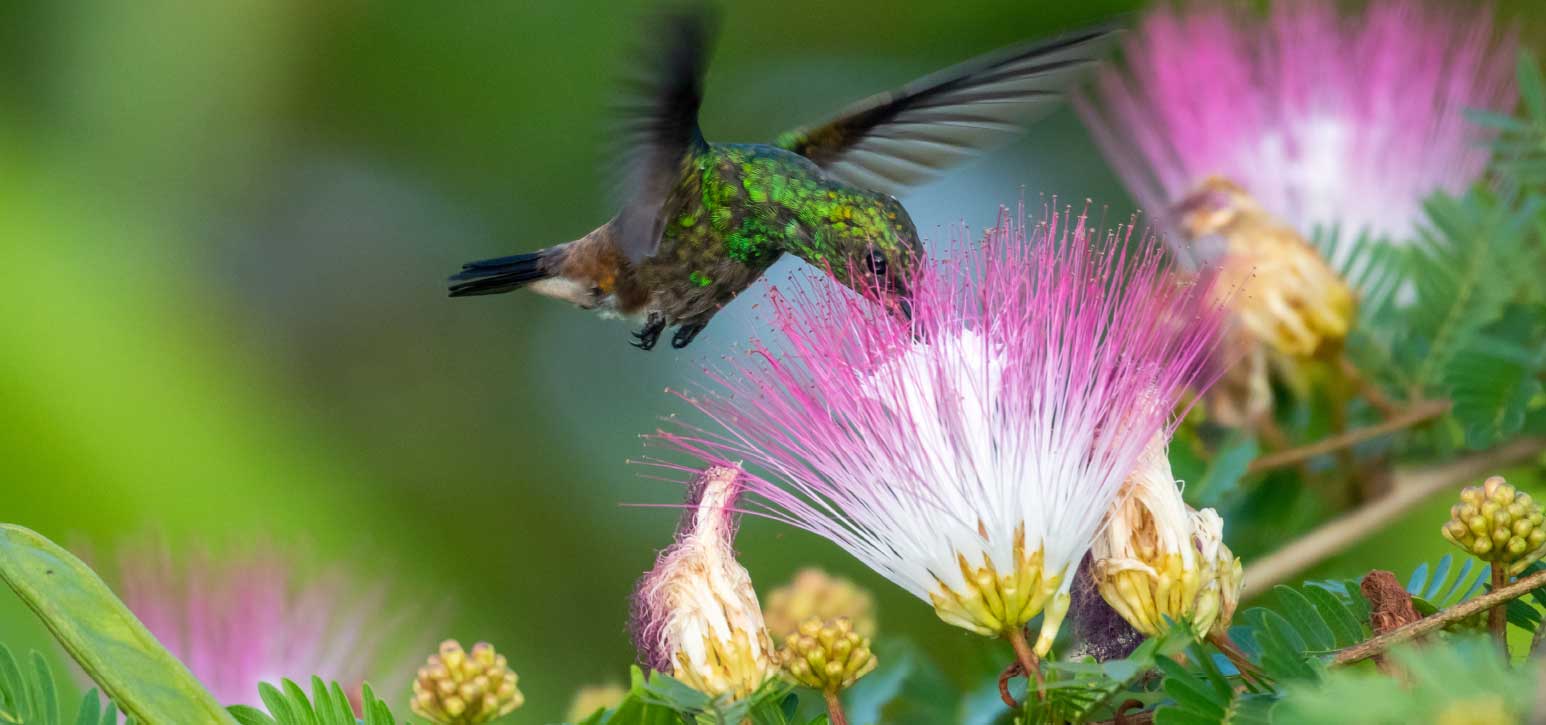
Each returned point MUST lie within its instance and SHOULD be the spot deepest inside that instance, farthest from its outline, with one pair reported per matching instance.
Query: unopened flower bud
(1497, 523)
(1157, 559)
(695, 614)
(456, 687)
(814, 593)
(827, 655)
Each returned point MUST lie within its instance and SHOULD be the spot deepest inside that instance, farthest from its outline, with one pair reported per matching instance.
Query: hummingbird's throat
(995, 602)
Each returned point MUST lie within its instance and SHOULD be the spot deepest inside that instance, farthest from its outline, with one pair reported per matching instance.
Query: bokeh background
(226, 228)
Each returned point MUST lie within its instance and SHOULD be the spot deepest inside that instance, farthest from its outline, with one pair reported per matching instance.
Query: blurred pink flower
(967, 455)
(1345, 122)
(240, 619)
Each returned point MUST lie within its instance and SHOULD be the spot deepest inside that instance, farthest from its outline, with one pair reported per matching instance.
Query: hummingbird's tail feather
(503, 274)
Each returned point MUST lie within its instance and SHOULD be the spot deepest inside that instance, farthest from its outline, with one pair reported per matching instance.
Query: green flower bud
(1498, 524)
(461, 688)
(826, 655)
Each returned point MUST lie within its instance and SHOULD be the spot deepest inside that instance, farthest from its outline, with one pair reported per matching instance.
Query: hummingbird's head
(1215, 204)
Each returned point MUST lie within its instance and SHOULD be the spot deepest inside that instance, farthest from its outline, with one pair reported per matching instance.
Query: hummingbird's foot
(648, 335)
(685, 334)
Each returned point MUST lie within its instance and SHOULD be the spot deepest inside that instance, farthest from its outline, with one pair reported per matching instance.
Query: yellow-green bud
(814, 593)
(456, 687)
(826, 654)
(1498, 524)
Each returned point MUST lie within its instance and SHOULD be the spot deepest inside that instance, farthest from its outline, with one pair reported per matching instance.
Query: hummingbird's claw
(685, 334)
(648, 335)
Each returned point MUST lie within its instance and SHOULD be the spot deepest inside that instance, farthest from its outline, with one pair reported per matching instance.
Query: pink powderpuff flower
(969, 454)
(245, 618)
(1332, 121)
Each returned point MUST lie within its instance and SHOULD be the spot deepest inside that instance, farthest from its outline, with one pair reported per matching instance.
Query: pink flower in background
(245, 618)
(970, 454)
(1327, 120)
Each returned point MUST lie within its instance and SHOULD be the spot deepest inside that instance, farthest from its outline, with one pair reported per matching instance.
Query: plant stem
(1370, 392)
(1494, 598)
(1420, 412)
(1497, 617)
(1409, 487)
(1248, 670)
(1027, 658)
(835, 708)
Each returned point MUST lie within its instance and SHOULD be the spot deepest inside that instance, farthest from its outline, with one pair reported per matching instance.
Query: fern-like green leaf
(1495, 379)
(30, 696)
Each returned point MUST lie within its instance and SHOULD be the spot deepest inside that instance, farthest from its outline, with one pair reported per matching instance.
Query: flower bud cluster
(827, 655)
(1497, 523)
(463, 688)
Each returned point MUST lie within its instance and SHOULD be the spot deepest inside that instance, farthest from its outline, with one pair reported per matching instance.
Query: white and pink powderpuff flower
(241, 618)
(695, 614)
(967, 453)
(1332, 121)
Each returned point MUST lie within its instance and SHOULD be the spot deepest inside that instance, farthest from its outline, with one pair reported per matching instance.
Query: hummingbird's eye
(876, 263)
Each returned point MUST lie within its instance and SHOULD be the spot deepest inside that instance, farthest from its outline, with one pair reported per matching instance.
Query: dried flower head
(815, 593)
(1157, 558)
(1495, 522)
(241, 619)
(1330, 121)
(456, 687)
(695, 615)
(826, 655)
(591, 698)
(970, 453)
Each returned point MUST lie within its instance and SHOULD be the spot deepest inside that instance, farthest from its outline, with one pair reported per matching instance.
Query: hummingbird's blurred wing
(896, 140)
(660, 125)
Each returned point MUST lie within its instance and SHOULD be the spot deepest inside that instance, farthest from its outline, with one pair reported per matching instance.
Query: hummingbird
(700, 221)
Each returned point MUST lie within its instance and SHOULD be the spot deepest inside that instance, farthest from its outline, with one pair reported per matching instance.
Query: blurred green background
(226, 228)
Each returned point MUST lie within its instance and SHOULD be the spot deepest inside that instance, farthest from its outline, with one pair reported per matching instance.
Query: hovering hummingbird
(701, 221)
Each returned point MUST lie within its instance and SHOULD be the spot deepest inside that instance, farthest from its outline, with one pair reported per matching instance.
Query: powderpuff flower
(695, 615)
(1344, 122)
(1158, 558)
(969, 454)
(246, 618)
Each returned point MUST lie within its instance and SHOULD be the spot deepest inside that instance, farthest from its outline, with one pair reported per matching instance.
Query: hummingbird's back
(740, 206)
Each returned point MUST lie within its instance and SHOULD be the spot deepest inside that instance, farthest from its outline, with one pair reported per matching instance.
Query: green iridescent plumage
(702, 221)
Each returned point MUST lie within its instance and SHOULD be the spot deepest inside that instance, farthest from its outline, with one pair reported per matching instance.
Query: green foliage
(905, 688)
(1521, 142)
(30, 696)
(659, 699)
(110, 644)
(1225, 470)
(1465, 680)
(1205, 694)
(1088, 691)
(288, 704)
(1444, 586)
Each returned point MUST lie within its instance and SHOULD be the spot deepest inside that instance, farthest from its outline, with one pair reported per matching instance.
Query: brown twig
(1420, 412)
(1497, 617)
(1248, 670)
(1367, 389)
(1409, 487)
(1015, 669)
(1376, 645)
